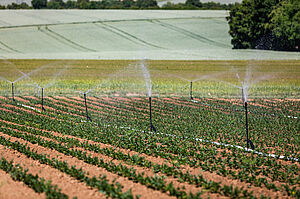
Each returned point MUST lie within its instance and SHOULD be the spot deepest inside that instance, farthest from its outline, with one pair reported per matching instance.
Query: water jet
(147, 78)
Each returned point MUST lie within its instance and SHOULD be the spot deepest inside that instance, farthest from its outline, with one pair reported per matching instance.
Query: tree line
(265, 24)
(118, 4)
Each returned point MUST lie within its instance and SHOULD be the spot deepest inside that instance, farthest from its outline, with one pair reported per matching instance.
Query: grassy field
(121, 77)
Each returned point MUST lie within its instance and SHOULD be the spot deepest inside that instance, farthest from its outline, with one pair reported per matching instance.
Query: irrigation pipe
(239, 147)
(222, 144)
(216, 143)
(30, 107)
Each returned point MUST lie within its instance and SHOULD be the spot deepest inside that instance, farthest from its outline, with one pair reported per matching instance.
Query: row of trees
(118, 4)
(266, 24)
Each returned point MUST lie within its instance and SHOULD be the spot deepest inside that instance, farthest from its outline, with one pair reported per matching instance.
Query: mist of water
(105, 81)
(147, 77)
(246, 82)
(4, 79)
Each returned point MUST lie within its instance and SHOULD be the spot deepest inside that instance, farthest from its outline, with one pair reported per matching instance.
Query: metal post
(246, 112)
(191, 91)
(243, 97)
(87, 116)
(12, 91)
(152, 128)
(43, 109)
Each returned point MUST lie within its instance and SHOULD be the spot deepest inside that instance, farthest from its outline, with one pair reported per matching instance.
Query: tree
(83, 4)
(247, 22)
(127, 3)
(70, 4)
(142, 4)
(193, 3)
(53, 5)
(39, 4)
(285, 26)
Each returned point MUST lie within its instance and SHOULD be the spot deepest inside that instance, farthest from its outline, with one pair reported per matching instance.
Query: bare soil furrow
(8, 188)
(137, 189)
(67, 184)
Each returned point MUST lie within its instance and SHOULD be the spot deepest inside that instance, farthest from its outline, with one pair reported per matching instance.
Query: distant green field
(279, 79)
(122, 34)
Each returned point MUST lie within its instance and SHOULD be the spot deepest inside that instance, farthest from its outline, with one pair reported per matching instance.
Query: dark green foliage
(146, 4)
(55, 4)
(37, 184)
(193, 3)
(23, 5)
(285, 25)
(265, 24)
(39, 4)
(118, 4)
(247, 22)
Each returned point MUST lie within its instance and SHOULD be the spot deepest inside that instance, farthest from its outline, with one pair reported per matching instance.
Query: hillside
(121, 34)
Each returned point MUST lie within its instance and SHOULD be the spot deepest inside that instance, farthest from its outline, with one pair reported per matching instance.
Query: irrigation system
(12, 91)
(86, 109)
(43, 109)
(152, 128)
(191, 91)
(245, 104)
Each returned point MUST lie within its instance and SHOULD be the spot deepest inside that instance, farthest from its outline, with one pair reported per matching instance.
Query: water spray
(191, 91)
(12, 91)
(86, 110)
(43, 109)
(152, 128)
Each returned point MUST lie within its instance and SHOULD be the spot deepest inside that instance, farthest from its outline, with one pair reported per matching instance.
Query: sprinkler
(12, 91)
(248, 141)
(152, 128)
(87, 115)
(191, 91)
(43, 109)
(243, 97)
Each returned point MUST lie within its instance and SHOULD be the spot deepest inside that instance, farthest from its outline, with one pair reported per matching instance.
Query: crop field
(122, 34)
(102, 145)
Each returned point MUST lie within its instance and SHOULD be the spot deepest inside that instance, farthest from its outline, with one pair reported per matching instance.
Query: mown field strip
(126, 34)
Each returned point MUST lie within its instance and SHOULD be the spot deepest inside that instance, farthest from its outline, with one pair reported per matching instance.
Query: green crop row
(38, 184)
(170, 147)
(141, 161)
(242, 175)
(101, 183)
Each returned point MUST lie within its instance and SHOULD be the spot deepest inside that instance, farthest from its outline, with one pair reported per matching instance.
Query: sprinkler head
(12, 92)
(191, 91)
(251, 144)
(152, 128)
(86, 110)
(43, 109)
